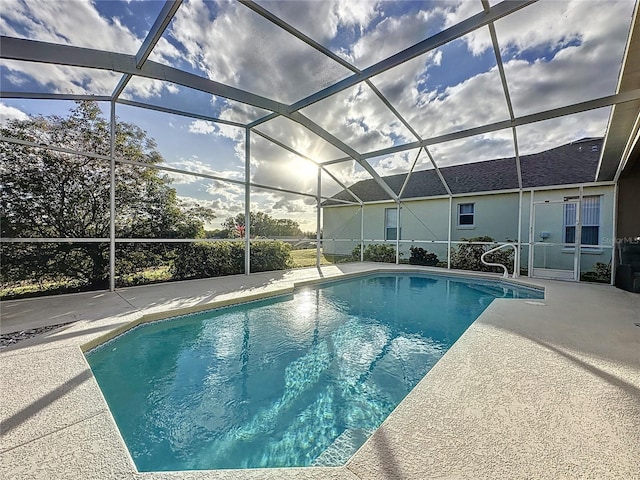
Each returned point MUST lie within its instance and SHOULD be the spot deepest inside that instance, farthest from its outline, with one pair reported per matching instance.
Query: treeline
(260, 225)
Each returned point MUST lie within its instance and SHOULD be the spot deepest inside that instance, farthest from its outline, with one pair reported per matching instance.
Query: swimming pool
(290, 381)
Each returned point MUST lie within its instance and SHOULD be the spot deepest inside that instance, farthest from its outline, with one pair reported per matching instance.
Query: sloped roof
(568, 164)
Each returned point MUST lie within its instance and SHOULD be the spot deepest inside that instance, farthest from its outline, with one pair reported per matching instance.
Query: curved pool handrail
(515, 259)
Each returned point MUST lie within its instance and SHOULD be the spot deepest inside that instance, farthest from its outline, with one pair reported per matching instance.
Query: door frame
(550, 273)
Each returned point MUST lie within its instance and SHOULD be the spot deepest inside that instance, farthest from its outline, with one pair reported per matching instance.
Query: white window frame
(390, 222)
(472, 214)
(585, 222)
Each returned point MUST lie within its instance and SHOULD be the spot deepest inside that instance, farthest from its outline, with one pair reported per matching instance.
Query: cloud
(325, 19)
(240, 112)
(147, 88)
(262, 58)
(474, 149)
(360, 119)
(197, 166)
(435, 109)
(348, 172)
(11, 113)
(540, 136)
(83, 26)
(399, 162)
(271, 165)
(202, 127)
(61, 79)
(220, 209)
(460, 11)
(229, 197)
(392, 35)
(299, 138)
(55, 22)
(224, 199)
(556, 53)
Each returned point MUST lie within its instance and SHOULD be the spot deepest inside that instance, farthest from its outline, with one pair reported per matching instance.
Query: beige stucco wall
(496, 216)
(340, 229)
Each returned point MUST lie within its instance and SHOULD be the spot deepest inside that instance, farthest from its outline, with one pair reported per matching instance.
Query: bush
(602, 273)
(419, 256)
(376, 253)
(467, 257)
(216, 259)
(270, 255)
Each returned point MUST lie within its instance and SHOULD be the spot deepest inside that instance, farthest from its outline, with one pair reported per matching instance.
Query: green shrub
(270, 255)
(601, 274)
(376, 253)
(467, 256)
(419, 256)
(216, 259)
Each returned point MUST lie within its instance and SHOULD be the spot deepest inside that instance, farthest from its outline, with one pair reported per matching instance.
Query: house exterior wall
(425, 222)
(425, 219)
(495, 215)
(549, 218)
(341, 229)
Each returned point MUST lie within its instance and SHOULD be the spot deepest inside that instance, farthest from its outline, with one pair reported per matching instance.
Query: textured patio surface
(544, 389)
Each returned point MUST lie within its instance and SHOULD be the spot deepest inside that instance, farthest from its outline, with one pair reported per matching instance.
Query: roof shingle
(568, 164)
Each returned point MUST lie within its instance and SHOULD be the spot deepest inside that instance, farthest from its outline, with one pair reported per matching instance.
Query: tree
(262, 225)
(51, 194)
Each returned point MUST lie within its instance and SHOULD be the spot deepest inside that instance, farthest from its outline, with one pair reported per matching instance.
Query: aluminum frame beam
(336, 142)
(165, 16)
(30, 50)
(54, 96)
(629, 148)
(45, 52)
(406, 180)
(325, 51)
(438, 172)
(507, 95)
(601, 102)
(452, 33)
(163, 168)
(182, 113)
(163, 19)
(247, 201)
(291, 150)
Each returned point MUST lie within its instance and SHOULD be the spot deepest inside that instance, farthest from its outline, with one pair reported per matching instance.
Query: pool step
(342, 447)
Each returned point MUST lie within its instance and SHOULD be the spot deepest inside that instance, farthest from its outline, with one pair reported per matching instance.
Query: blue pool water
(290, 381)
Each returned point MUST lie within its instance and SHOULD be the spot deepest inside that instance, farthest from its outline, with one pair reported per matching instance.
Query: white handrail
(515, 259)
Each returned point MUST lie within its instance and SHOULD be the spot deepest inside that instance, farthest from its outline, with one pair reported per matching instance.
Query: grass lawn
(307, 258)
(301, 258)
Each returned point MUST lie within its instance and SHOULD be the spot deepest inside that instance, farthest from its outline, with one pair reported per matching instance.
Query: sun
(304, 169)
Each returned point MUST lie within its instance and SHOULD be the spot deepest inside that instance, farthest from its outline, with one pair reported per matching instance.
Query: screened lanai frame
(139, 65)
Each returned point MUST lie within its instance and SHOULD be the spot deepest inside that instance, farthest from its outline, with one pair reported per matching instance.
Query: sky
(555, 53)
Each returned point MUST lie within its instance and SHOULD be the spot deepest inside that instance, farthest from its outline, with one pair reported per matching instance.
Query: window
(466, 214)
(390, 223)
(590, 213)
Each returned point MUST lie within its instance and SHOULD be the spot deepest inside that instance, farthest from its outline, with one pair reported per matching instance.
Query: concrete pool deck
(544, 389)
